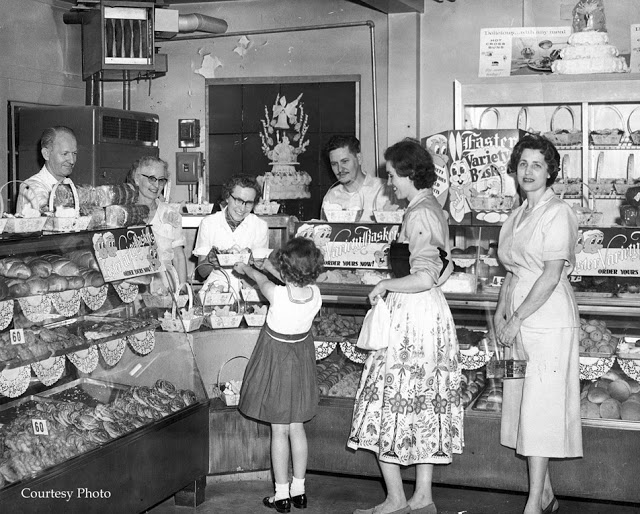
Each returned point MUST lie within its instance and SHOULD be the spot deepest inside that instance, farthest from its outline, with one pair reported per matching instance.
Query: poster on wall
(519, 50)
(634, 38)
(476, 187)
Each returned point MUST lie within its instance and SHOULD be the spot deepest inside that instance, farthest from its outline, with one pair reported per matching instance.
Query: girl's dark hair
(546, 148)
(300, 261)
(410, 159)
(247, 181)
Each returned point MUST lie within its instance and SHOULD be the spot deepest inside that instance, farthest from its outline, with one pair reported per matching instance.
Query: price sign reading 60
(40, 426)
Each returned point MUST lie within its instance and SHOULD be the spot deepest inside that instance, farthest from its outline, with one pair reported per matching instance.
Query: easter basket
(17, 224)
(199, 208)
(563, 137)
(230, 390)
(225, 316)
(72, 223)
(634, 135)
(343, 216)
(214, 293)
(607, 136)
(483, 116)
(185, 320)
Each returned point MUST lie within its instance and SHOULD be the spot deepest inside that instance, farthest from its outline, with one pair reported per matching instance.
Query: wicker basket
(71, 224)
(230, 398)
(634, 135)
(185, 322)
(199, 208)
(229, 259)
(389, 216)
(564, 137)
(12, 225)
(335, 216)
(608, 137)
(488, 110)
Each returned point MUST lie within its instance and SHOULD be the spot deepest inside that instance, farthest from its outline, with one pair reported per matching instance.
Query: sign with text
(126, 253)
(351, 245)
(613, 251)
(477, 181)
(504, 51)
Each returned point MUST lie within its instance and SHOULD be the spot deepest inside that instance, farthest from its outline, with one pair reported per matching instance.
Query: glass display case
(94, 399)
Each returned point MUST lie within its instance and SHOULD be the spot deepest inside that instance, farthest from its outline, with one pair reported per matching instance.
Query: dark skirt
(279, 384)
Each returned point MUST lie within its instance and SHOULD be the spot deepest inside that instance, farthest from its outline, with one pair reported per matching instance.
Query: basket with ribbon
(66, 219)
(187, 319)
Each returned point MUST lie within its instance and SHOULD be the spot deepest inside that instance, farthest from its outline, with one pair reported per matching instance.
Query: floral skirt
(408, 408)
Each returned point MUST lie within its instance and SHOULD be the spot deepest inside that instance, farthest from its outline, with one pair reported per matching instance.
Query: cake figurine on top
(589, 50)
(283, 139)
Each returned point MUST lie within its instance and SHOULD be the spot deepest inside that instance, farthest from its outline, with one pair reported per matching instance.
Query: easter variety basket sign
(126, 253)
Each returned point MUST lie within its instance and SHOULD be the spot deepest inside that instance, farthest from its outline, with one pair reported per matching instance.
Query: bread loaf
(57, 283)
(40, 268)
(75, 282)
(37, 286)
(12, 267)
(126, 215)
(18, 288)
(116, 194)
(84, 258)
(65, 267)
(92, 278)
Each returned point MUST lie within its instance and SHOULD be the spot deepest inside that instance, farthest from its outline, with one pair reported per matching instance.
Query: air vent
(130, 130)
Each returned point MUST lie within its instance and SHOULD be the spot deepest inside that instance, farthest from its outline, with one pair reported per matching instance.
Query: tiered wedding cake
(284, 128)
(589, 52)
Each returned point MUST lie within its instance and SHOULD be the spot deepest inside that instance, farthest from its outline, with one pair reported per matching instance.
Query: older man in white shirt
(59, 149)
(355, 189)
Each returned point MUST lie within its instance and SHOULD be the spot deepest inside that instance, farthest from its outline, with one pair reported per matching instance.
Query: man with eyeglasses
(235, 226)
(59, 148)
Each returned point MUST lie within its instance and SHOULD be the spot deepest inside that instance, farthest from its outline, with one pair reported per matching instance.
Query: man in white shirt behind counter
(354, 189)
(59, 149)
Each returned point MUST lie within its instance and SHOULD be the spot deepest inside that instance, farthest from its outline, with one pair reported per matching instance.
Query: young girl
(279, 385)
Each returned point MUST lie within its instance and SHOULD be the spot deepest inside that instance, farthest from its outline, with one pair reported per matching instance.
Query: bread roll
(84, 258)
(65, 267)
(126, 215)
(12, 267)
(630, 411)
(598, 395)
(18, 288)
(610, 409)
(92, 278)
(75, 282)
(40, 268)
(619, 390)
(37, 286)
(57, 283)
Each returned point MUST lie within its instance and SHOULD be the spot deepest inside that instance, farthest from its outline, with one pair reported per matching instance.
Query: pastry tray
(88, 391)
(9, 411)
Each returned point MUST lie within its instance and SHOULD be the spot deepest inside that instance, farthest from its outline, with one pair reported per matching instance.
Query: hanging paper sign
(351, 245)
(126, 253)
(613, 251)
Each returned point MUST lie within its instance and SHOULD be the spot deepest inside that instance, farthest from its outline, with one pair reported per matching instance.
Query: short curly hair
(248, 181)
(300, 261)
(342, 141)
(546, 148)
(410, 159)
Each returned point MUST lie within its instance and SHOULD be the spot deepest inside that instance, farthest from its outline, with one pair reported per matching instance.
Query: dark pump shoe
(299, 501)
(279, 505)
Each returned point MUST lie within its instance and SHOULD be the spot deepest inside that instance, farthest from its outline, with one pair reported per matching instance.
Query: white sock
(282, 491)
(297, 486)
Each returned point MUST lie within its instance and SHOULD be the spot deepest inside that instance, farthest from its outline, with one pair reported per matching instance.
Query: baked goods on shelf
(589, 52)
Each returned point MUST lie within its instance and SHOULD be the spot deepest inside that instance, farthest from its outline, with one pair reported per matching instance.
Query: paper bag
(376, 328)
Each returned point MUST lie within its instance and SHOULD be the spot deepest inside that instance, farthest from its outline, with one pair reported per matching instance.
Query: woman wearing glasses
(150, 175)
(235, 225)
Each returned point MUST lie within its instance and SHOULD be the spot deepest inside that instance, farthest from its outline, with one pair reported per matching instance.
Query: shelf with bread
(86, 382)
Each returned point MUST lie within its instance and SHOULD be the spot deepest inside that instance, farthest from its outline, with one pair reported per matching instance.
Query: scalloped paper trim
(49, 370)
(85, 360)
(66, 303)
(36, 308)
(631, 368)
(353, 353)
(127, 292)
(112, 351)
(6, 313)
(14, 382)
(94, 297)
(142, 342)
(592, 368)
(473, 361)
(324, 349)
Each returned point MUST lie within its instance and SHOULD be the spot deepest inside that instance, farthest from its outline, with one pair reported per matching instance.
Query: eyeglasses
(243, 203)
(155, 180)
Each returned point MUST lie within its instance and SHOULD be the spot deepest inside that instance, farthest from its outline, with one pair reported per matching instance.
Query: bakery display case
(94, 400)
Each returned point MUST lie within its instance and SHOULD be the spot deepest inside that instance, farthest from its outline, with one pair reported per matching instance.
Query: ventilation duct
(201, 23)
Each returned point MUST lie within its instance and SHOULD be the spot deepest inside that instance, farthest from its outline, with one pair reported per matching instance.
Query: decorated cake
(589, 52)
(283, 140)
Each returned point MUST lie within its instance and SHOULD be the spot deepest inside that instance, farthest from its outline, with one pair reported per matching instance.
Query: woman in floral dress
(408, 409)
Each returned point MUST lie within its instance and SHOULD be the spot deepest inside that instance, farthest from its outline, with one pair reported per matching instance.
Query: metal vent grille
(130, 129)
